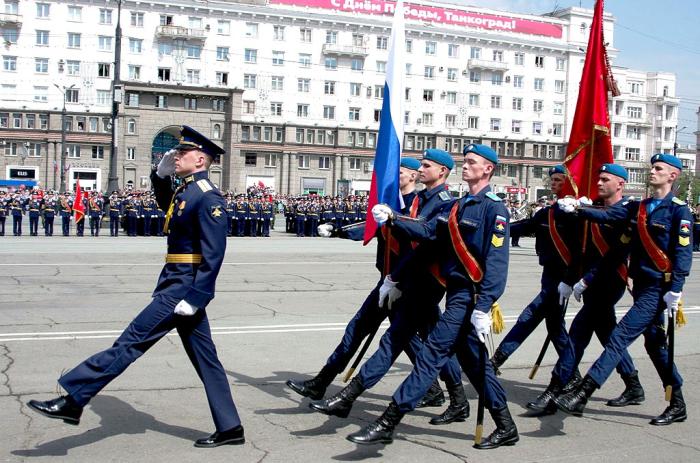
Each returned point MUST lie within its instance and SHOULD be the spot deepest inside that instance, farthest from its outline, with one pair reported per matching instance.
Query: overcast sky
(651, 35)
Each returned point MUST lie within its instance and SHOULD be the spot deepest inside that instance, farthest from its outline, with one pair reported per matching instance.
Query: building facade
(293, 89)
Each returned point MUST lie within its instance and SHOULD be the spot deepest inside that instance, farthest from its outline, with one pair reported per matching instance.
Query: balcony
(488, 65)
(179, 32)
(344, 50)
(9, 19)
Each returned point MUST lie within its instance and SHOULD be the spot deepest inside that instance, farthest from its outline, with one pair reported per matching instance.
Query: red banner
(78, 206)
(426, 13)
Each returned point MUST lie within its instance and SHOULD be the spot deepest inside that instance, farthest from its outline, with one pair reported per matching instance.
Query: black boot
(675, 412)
(458, 410)
(382, 430)
(575, 401)
(498, 359)
(63, 408)
(313, 388)
(341, 403)
(573, 382)
(543, 403)
(633, 393)
(433, 398)
(234, 436)
(505, 434)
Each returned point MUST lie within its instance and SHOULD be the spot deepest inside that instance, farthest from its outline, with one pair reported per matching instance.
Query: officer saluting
(196, 220)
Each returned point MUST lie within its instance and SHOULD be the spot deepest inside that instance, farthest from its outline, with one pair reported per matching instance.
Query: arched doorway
(165, 140)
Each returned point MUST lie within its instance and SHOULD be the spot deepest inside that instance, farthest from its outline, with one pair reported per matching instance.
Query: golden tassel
(680, 316)
(497, 324)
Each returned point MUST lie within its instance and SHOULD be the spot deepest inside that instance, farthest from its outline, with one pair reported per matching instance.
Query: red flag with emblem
(78, 207)
(589, 144)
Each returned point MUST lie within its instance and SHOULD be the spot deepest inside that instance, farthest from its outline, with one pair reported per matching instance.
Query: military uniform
(49, 213)
(300, 219)
(80, 221)
(95, 206)
(34, 214)
(696, 229)
(3, 215)
(266, 212)
(115, 215)
(312, 216)
(66, 210)
(242, 216)
(17, 215)
(231, 214)
(132, 211)
(148, 208)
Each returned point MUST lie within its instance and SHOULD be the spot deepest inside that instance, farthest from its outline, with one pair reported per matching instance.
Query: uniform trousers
(83, 382)
(48, 225)
(113, 225)
(453, 335)
(645, 317)
(65, 225)
(34, 225)
(17, 225)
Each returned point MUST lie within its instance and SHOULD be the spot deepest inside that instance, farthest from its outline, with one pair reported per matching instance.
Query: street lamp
(64, 90)
(113, 178)
(675, 138)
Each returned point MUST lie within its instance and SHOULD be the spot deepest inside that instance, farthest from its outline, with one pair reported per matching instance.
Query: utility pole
(113, 178)
(64, 152)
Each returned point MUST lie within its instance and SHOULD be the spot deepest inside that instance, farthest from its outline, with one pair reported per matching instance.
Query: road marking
(227, 330)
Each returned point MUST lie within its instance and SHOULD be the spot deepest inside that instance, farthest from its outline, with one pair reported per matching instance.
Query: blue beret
(558, 169)
(190, 138)
(439, 156)
(410, 163)
(668, 159)
(484, 151)
(614, 169)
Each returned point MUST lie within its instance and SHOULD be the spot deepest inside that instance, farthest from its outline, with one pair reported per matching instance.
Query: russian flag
(387, 159)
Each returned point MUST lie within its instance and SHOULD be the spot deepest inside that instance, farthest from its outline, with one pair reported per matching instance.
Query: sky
(650, 35)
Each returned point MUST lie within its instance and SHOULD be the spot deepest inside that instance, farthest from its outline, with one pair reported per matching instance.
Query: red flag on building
(589, 144)
(78, 206)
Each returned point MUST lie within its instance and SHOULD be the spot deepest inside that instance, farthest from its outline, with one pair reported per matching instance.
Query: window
(632, 154)
(496, 78)
(270, 159)
(164, 74)
(303, 85)
(277, 58)
(453, 50)
(452, 74)
(248, 107)
(539, 61)
(136, 19)
(495, 125)
(324, 162)
(31, 121)
(635, 87)
(381, 67)
(498, 56)
(304, 60)
(72, 95)
(250, 80)
(250, 56)
(42, 10)
(41, 94)
(557, 130)
(130, 153)
(4, 120)
(331, 63)
(518, 81)
(34, 150)
(331, 37)
(42, 38)
(473, 99)
(278, 32)
(105, 16)
(104, 97)
(430, 47)
(73, 67)
(355, 89)
(134, 72)
(561, 64)
(475, 53)
(495, 101)
(450, 120)
(132, 99)
(473, 122)
(474, 77)
(75, 13)
(519, 58)
(634, 112)
(377, 115)
(73, 40)
(428, 95)
(382, 43)
(194, 51)
(98, 152)
(104, 43)
(329, 112)
(537, 128)
(161, 101)
(516, 126)
(354, 114)
(9, 63)
(222, 53)
(409, 46)
(41, 65)
(329, 87)
(190, 103)
(634, 133)
(165, 49)
(251, 159)
(517, 104)
(537, 106)
(223, 27)
(302, 110)
(216, 131)
(559, 86)
(103, 69)
(277, 83)
(73, 151)
(305, 35)
(276, 109)
(251, 30)
(451, 98)
(357, 64)
(429, 72)
(9, 36)
(355, 163)
(539, 84)
(303, 161)
(558, 108)
(192, 76)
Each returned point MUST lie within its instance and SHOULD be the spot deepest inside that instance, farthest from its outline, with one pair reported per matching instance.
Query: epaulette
(680, 202)
(205, 185)
(493, 196)
(444, 195)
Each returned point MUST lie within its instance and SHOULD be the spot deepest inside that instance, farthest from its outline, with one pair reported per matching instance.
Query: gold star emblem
(216, 212)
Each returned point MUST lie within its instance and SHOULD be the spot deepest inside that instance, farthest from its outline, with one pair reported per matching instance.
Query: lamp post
(64, 153)
(113, 178)
(675, 138)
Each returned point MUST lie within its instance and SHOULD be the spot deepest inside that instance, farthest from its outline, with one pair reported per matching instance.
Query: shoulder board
(444, 195)
(493, 196)
(680, 202)
(205, 185)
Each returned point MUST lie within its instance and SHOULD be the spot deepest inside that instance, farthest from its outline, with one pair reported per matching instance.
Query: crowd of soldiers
(303, 215)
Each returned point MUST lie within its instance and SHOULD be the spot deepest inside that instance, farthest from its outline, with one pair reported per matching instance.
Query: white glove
(381, 213)
(166, 166)
(671, 299)
(584, 201)
(482, 324)
(564, 291)
(579, 288)
(185, 309)
(325, 230)
(388, 292)
(568, 204)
